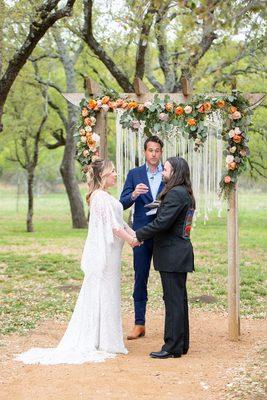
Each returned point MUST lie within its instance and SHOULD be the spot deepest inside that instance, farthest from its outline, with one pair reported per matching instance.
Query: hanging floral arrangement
(160, 116)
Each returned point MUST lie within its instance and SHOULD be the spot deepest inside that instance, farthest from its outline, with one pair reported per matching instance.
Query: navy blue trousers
(142, 261)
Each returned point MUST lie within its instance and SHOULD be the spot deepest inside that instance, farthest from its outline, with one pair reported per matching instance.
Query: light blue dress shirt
(154, 179)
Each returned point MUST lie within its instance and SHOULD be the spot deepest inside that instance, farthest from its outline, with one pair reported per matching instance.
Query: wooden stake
(233, 268)
(101, 129)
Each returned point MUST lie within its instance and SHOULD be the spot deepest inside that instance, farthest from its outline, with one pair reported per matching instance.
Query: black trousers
(176, 332)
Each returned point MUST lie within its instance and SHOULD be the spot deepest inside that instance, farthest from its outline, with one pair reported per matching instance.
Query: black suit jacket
(173, 251)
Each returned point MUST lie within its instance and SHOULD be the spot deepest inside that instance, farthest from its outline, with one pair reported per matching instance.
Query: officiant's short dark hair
(154, 139)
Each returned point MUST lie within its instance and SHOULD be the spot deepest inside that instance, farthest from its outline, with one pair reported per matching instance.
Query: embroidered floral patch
(188, 223)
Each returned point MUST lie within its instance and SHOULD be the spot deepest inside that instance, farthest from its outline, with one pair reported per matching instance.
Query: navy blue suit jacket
(134, 177)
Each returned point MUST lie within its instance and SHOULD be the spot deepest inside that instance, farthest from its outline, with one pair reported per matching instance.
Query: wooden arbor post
(233, 267)
(93, 89)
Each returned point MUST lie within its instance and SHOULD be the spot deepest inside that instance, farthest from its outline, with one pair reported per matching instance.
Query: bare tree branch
(46, 15)
(95, 46)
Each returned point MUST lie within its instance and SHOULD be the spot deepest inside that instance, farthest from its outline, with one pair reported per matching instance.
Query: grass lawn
(40, 272)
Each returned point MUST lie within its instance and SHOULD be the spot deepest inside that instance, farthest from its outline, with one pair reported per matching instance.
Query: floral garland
(160, 116)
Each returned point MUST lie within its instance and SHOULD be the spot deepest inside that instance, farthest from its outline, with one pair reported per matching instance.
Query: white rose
(198, 141)
(99, 103)
(231, 133)
(88, 129)
(188, 109)
(84, 139)
(233, 149)
(147, 104)
(93, 120)
(96, 137)
(105, 107)
(82, 132)
(237, 131)
(229, 159)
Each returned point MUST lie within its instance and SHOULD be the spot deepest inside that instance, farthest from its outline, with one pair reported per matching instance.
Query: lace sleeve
(102, 222)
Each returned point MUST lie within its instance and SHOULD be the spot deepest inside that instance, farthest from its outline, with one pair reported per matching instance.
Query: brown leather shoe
(137, 332)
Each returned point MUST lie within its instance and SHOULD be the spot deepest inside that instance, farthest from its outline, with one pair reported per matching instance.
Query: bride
(94, 332)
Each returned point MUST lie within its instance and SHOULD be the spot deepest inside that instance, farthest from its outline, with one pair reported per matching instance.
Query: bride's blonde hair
(96, 174)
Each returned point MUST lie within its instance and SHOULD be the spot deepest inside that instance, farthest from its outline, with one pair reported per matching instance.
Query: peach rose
(124, 105)
(89, 134)
(232, 166)
(227, 179)
(179, 110)
(85, 112)
(236, 115)
(82, 132)
(237, 138)
(112, 105)
(87, 121)
(198, 141)
(105, 99)
(85, 153)
(191, 122)
(141, 108)
(84, 139)
(119, 102)
(243, 153)
(168, 107)
(220, 103)
(201, 108)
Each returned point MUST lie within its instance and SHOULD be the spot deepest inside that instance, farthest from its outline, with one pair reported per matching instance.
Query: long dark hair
(180, 176)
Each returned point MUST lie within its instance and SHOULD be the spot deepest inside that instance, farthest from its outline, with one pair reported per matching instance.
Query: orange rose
(191, 122)
(227, 179)
(132, 104)
(179, 110)
(237, 138)
(88, 135)
(124, 104)
(140, 108)
(92, 104)
(207, 106)
(220, 103)
(233, 109)
(232, 166)
(105, 99)
(87, 121)
(168, 106)
(84, 112)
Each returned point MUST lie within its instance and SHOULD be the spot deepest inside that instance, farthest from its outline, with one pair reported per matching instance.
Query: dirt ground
(204, 373)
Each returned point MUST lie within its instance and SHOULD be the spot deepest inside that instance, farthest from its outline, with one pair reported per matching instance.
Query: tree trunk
(67, 170)
(30, 179)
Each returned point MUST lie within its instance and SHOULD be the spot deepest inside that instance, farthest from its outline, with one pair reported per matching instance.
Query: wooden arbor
(142, 95)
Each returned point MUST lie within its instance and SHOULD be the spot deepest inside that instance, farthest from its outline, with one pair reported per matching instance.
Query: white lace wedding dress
(94, 332)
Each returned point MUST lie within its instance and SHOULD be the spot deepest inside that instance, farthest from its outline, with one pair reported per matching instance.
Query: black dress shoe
(164, 354)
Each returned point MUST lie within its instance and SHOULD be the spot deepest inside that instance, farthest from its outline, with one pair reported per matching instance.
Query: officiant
(142, 186)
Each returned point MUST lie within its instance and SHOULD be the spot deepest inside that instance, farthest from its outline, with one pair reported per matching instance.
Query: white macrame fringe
(205, 165)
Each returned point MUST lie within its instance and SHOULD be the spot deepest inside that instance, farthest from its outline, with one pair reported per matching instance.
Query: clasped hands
(134, 243)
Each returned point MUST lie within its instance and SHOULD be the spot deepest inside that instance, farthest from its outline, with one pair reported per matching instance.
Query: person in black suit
(173, 253)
